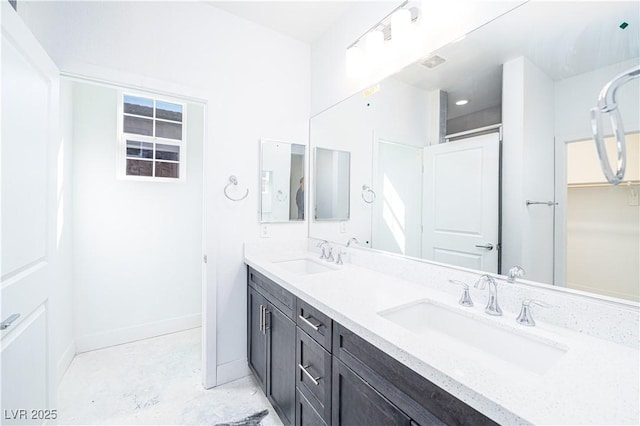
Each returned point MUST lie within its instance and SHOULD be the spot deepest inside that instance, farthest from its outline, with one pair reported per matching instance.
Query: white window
(152, 142)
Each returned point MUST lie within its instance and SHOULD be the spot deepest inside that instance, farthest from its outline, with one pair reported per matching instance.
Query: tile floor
(154, 381)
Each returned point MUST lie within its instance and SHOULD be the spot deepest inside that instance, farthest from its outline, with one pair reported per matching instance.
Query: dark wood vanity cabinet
(355, 402)
(316, 372)
(418, 398)
(271, 346)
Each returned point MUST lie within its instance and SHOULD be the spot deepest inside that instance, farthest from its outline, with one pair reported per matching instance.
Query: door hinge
(204, 258)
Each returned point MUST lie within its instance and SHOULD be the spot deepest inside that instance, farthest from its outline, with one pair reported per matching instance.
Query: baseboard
(65, 360)
(131, 334)
(231, 371)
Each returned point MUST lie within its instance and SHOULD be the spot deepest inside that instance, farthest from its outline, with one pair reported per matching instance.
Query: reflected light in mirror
(373, 45)
(393, 213)
(354, 62)
(400, 27)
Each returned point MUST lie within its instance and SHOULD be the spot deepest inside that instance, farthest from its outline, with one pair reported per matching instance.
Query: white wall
(440, 23)
(137, 245)
(256, 84)
(528, 169)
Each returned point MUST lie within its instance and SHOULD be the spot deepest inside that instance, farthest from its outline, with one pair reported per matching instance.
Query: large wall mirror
(480, 155)
(282, 183)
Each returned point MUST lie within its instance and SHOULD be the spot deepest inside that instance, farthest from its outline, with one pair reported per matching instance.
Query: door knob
(487, 246)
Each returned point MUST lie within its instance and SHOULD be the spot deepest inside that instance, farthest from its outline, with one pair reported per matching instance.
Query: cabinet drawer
(281, 298)
(306, 415)
(423, 401)
(314, 323)
(313, 374)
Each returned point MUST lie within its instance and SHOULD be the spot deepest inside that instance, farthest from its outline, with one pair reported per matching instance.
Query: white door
(397, 210)
(30, 87)
(460, 204)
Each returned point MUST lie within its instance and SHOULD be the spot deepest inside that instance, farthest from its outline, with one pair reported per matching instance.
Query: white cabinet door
(30, 87)
(460, 204)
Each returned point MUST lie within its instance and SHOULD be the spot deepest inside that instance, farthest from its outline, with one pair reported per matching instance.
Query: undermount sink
(305, 266)
(426, 318)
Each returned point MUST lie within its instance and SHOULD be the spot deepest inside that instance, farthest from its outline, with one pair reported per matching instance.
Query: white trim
(231, 371)
(131, 334)
(65, 360)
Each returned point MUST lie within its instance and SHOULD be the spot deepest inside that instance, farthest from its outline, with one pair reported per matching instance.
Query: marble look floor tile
(154, 381)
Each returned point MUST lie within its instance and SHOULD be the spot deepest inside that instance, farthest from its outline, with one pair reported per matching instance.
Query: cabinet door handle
(309, 323)
(313, 379)
(261, 318)
(264, 322)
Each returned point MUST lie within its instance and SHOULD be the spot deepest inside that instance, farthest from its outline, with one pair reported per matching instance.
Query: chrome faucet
(321, 245)
(493, 308)
(525, 317)
(353, 240)
(515, 273)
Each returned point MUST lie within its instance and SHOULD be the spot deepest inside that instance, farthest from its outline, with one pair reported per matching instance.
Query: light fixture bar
(385, 27)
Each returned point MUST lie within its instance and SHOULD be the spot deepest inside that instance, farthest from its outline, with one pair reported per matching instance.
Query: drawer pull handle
(313, 379)
(309, 323)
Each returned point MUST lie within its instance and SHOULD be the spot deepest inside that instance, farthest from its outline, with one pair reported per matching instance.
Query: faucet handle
(339, 260)
(525, 317)
(465, 299)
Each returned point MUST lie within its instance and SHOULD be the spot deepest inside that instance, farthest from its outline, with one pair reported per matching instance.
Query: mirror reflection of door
(461, 201)
(603, 222)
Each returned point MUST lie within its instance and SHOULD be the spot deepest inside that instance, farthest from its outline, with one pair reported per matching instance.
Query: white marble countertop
(595, 382)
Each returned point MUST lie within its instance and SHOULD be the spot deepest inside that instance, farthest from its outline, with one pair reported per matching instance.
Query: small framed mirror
(282, 167)
(332, 184)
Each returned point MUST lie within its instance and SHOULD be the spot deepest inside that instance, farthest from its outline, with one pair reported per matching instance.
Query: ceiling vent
(433, 61)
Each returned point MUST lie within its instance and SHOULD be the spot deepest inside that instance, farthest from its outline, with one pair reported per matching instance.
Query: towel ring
(234, 181)
(607, 105)
(366, 190)
(280, 196)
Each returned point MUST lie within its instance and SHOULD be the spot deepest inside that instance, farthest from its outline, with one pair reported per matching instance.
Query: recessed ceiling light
(462, 102)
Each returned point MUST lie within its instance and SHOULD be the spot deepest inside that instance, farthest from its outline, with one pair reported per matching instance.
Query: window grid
(154, 140)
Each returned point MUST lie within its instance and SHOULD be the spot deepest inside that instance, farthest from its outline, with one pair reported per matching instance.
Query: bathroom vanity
(353, 343)
(316, 371)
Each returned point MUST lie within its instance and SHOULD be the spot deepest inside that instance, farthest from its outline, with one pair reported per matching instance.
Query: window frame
(121, 155)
